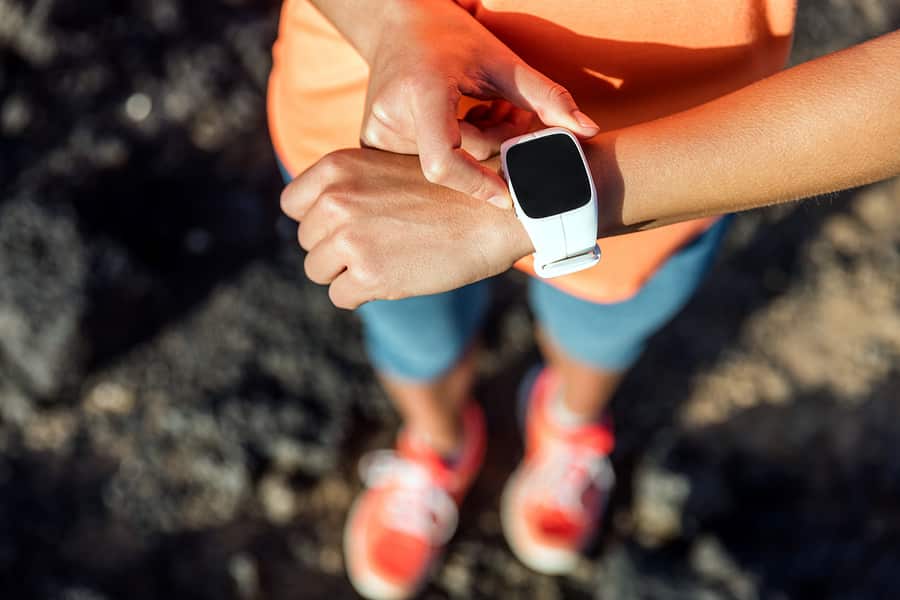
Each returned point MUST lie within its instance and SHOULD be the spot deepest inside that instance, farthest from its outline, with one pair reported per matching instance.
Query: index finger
(439, 142)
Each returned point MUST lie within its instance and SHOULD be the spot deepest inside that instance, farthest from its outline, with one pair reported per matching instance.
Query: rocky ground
(181, 412)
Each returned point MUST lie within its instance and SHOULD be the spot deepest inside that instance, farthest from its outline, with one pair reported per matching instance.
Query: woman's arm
(829, 124)
(375, 229)
(362, 22)
(423, 55)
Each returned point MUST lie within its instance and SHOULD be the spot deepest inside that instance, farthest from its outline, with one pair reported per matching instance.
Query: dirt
(181, 411)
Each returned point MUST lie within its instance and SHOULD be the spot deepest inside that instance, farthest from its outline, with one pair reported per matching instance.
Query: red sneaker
(553, 503)
(398, 527)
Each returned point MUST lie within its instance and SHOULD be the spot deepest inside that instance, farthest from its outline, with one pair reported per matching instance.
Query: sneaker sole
(534, 555)
(537, 557)
(374, 587)
(365, 581)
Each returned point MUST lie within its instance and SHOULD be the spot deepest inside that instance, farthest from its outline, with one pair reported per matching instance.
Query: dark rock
(43, 270)
(79, 593)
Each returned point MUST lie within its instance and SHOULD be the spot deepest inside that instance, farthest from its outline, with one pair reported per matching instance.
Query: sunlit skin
(375, 227)
(793, 135)
(416, 81)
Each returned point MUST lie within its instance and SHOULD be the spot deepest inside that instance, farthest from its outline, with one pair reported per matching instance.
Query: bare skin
(375, 228)
(423, 55)
(411, 108)
(431, 409)
(586, 390)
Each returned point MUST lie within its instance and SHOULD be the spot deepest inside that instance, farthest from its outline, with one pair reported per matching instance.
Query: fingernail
(499, 201)
(585, 121)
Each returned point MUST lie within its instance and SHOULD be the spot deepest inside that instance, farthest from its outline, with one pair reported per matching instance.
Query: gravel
(181, 411)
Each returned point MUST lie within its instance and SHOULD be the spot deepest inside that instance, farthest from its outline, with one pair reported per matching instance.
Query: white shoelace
(566, 474)
(416, 505)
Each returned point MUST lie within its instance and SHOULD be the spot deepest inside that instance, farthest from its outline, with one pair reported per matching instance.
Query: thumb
(554, 105)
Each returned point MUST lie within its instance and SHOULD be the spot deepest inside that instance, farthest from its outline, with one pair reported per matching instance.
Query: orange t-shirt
(624, 62)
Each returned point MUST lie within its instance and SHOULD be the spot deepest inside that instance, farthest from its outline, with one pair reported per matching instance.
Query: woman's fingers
(483, 139)
(529, 89)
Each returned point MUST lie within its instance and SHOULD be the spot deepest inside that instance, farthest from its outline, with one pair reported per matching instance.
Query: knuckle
(336, 206)
(472, 181)
(285, 200)
(556, 95)
(367, 276)
(382, 113)
(334, 165)
(347, 243)
(371, 137)
(557, 92)
(380, 110)
(367, 139)
(479, 186)
(436, 169)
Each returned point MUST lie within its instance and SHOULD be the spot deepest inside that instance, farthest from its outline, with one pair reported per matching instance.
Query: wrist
(508, 238)
(513, 234)
(518, 240)
(600, 152)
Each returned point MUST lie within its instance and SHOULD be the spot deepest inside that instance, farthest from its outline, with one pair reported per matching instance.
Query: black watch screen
(548, 175)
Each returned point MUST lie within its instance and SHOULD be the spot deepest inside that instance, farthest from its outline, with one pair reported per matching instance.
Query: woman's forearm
(360, 21)
(826, 125)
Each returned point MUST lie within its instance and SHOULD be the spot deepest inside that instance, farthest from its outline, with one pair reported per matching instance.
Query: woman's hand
(374, 229)
(423, 56)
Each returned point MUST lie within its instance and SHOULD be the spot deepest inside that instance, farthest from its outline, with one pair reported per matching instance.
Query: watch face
(548, 175)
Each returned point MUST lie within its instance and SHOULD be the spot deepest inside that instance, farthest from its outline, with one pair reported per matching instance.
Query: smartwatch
(554, 198)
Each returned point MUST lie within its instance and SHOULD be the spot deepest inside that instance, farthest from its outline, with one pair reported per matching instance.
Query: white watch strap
(567, 242)
(564, 266)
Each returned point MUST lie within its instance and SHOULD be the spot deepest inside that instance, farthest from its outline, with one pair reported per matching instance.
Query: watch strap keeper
(548, 268)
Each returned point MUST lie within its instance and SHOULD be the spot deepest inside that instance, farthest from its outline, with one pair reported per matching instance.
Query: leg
(587, 389)
(431, 409)
(421, 348)
(554, 502)
(591, 346)
(422, 351)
